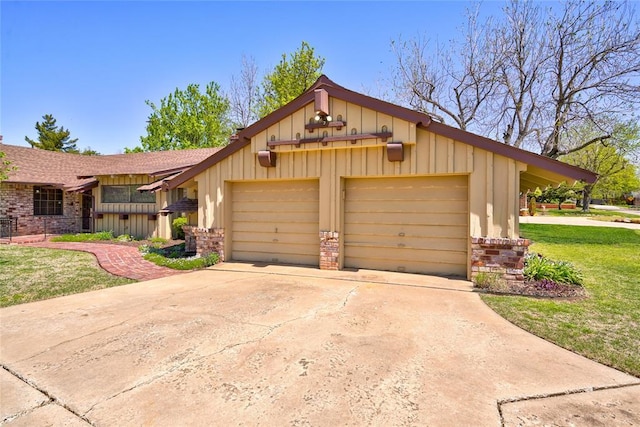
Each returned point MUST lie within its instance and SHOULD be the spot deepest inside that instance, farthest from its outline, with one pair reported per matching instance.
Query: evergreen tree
(53, 138)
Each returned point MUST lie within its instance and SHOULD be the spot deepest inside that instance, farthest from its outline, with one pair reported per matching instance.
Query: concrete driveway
(246, 345)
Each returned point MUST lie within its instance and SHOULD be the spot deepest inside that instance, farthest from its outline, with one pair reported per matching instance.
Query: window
(47, 201)
(125, 194)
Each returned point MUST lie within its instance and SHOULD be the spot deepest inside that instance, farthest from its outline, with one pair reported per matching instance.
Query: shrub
(539, 268)
(176, 227)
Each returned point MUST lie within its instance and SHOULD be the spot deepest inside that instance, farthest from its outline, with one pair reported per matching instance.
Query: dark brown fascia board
(511, 152)
(48, 184)
(206, 163)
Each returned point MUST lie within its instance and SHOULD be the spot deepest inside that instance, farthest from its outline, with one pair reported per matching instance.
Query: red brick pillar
(501, 256)
(209, 240)
(329, 250)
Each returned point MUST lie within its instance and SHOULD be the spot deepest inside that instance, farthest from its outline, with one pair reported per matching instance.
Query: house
(53, 192)
(336, 179)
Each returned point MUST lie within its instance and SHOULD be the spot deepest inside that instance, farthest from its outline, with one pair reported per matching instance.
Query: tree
(531, 76)
(557, 194)
(53, 138)
(187, 119)
(289, 79)
(618, 185)
(5, 167)
(89, 152)
(431, 80)
(244, 93)
(606, 158)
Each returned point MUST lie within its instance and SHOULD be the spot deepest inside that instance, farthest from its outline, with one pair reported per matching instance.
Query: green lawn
(605, 326)
(31, 274)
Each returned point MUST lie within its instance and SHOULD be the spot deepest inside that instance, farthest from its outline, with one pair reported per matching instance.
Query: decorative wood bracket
(395, 152)
(335, 124)
(325, 140)
(267, 158)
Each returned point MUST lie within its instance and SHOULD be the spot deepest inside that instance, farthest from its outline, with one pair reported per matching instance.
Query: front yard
(605, 326)
(31, 274)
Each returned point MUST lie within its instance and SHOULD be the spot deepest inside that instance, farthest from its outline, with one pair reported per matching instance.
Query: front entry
(86, 212)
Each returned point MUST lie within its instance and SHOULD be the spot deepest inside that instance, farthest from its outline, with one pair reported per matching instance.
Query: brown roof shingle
(73, 171)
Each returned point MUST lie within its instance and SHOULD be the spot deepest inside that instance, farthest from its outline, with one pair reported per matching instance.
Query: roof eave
(518, 154)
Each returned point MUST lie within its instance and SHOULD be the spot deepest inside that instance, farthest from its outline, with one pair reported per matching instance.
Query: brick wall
(329, 250)
(16, 201)
(499, 255)
(205, 240)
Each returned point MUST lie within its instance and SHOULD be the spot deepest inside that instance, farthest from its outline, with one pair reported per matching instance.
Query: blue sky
(93, 64)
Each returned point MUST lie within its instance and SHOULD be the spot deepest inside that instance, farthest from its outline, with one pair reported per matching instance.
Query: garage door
(417, 225)
(275, 222)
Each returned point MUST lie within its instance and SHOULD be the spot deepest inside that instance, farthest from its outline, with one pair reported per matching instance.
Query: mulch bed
(540, 290)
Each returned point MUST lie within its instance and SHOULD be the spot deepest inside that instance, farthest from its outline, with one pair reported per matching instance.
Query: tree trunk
(586, 197)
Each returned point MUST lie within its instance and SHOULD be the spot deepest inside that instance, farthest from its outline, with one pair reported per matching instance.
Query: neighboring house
(52, 192)
(337, 179)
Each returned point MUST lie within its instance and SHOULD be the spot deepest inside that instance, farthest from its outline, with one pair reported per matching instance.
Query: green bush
(176, 227)
(538, 267)
(176, 258)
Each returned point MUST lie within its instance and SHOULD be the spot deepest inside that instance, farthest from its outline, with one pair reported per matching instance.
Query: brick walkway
(124, 261)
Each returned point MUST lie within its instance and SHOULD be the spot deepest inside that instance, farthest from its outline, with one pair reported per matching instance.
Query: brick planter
(204, 241)
(502, 256)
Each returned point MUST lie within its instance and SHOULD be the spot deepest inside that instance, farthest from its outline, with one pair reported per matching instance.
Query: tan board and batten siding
(138, 223)
(491, 179)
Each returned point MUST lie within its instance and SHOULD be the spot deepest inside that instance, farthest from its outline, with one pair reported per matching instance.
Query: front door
(86, 212)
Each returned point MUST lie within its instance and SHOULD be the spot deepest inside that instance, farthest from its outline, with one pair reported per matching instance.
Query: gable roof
(76, 172)
(421, 120)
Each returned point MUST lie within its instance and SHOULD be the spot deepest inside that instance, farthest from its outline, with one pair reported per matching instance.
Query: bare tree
(534, 74)
(449, 83)
(594, 72)
(243, 93)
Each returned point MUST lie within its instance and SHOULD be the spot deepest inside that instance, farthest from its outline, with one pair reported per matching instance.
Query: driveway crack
(177, 366)
(349, 294)
(51, 398)
(502, 402)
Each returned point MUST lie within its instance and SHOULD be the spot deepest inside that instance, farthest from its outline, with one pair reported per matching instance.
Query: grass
(32, 274)
(605, 326)
(84, 237)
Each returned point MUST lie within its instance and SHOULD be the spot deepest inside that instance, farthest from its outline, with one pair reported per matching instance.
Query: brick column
(207, 241)
(329, 250)
(503, 256)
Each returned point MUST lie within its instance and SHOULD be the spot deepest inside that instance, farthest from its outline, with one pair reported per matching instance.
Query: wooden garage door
(275, 222)
(417, 225)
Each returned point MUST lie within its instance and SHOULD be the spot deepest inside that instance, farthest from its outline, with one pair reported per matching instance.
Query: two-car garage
(412, 224)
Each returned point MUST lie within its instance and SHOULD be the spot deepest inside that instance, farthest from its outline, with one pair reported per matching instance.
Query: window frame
(48, 201)
(133, 195)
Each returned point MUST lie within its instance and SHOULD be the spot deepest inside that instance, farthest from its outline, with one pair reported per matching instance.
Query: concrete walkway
(120, 260)
(580, 221)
